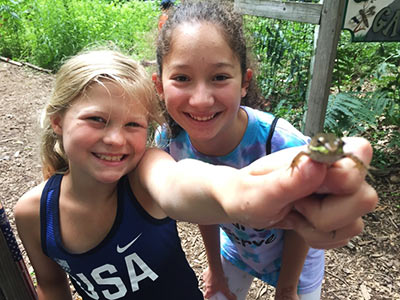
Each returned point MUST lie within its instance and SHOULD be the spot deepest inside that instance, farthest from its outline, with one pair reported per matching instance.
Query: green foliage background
(365, 91)
(44, 32)
(365, 98)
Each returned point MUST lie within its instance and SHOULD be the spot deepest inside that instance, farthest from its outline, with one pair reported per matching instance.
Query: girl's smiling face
(202, 87)
(104, 133)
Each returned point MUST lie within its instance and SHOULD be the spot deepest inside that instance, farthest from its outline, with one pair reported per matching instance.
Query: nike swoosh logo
(123, 249)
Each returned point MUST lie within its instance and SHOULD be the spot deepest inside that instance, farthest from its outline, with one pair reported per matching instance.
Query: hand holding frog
(337, 196)
(346, 196)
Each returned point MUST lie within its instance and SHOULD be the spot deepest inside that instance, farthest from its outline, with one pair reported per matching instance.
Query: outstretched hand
(342, 199)
(323, 204)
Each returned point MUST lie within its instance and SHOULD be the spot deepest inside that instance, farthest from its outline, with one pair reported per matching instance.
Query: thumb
(289, 184)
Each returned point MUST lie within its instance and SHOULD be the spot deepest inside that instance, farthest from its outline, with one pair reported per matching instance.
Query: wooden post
(329, 16)
(324, 60)
(15, 281)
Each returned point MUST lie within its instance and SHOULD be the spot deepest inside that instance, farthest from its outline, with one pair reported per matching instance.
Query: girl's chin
(110, 179)
(201, 137)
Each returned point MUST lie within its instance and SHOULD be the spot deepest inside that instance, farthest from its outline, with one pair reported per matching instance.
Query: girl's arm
(52, 282)
(213, 276)
(294, 254)
(194, 191)
(262, 194)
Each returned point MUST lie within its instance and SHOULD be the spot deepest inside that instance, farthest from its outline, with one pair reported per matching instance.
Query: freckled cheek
(79, 137)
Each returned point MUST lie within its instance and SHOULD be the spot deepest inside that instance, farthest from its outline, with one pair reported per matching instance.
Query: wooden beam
(324, 60)
(291, 11)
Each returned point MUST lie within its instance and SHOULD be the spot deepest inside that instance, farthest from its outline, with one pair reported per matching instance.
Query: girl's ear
(158, 84)
(246, 81)
(55, 122)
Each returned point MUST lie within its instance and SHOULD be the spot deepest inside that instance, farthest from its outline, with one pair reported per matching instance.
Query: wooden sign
(373, 20)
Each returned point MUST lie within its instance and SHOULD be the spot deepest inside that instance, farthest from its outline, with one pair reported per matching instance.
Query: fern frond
(345, 111)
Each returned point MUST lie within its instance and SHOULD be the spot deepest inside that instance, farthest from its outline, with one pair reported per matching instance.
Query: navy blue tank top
(140, 258)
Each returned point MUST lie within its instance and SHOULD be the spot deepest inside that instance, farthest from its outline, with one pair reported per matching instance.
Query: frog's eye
(338, 144)
(321, 140)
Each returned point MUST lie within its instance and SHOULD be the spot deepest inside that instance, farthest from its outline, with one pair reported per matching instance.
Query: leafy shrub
(283, 51)
(368, 76)
(49, 31)
(11, 28)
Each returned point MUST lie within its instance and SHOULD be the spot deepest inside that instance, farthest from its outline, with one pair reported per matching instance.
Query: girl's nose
(114, 137)
(202, 96)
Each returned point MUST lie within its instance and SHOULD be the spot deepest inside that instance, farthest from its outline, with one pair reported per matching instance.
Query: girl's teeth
(110, 158)
(202, 118)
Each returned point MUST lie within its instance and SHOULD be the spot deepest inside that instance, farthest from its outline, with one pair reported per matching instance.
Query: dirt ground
(367, 268)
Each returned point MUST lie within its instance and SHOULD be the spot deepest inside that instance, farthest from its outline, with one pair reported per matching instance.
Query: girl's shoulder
(259, 115)
(28, 205)
(284, 135)
(148, 178)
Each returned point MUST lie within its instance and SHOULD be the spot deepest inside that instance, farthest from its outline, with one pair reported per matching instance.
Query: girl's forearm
(210, 235)
(186, 190)
(294, 254)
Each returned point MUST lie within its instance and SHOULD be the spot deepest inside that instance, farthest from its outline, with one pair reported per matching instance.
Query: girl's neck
(87, 211)
(87, 190)
(224, 143)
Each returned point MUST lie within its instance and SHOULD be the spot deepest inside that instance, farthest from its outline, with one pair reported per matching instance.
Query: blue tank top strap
(49, 211)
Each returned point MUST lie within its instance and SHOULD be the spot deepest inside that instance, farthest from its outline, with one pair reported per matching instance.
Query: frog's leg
(296, 160)
(359, 164)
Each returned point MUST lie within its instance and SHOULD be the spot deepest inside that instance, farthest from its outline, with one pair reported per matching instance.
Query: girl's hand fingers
(330, 212)
(324, 239)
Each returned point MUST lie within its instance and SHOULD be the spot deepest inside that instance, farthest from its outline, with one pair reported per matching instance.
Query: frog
(327, 148)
